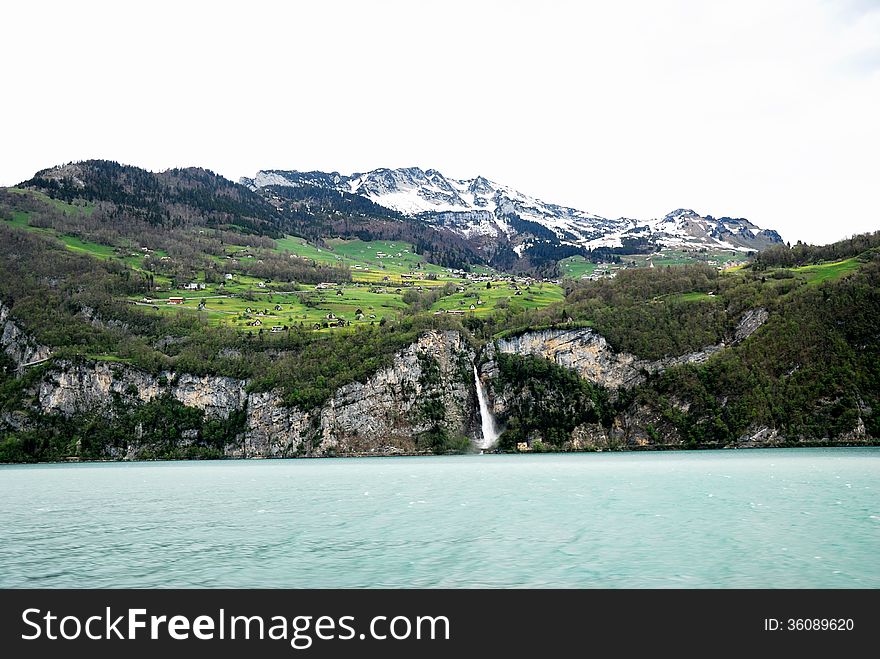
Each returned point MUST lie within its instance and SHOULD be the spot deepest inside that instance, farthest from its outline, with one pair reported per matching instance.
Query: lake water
(759, 518)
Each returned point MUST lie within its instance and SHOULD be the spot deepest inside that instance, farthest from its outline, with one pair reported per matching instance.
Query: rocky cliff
(70, 389)
(587, 352)
(632, 424)
(20, 347)
(384, 414)
(427, 395)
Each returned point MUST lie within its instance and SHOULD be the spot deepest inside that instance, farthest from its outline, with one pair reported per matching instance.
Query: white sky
(766, 109)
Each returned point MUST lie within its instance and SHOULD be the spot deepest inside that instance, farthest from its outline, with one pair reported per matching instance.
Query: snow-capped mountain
(495, 216)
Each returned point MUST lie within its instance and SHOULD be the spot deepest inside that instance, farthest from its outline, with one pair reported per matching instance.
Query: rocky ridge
(380, 415)
(20, 347)
(587, 352)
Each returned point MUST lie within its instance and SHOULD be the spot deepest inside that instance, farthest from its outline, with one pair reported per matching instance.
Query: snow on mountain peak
(482, 208)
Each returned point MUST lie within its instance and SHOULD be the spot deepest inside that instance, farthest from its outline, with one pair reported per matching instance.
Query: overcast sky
(765, 109)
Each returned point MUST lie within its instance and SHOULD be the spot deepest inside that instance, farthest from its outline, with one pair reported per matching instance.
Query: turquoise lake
(744, 518)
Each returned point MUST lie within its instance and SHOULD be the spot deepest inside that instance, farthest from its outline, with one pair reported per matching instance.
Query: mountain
(175, 197)
(451, 222)
(195, 197)
(498, 219)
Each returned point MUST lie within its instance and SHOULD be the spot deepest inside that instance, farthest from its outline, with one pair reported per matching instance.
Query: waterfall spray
(487, 421)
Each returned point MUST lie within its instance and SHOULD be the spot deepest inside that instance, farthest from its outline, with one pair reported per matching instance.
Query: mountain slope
(190, 196)
(498, 219)
(195, 197)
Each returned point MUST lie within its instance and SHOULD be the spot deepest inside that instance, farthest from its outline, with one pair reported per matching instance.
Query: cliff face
(588, 353)
(382, 415)
(71, 389)
(427, 392)
(20, 347)
(584, 351)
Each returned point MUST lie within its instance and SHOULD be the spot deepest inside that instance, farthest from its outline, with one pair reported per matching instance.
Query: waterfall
(487, 422)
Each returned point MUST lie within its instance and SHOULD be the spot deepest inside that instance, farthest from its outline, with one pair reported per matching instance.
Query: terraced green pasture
(816, 274)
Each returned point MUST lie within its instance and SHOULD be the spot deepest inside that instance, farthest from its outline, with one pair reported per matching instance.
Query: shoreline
(423, 454)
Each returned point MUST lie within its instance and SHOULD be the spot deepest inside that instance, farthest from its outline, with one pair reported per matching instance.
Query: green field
(306, 250)
(302, 308)
(693, 296)
(816, 274)
(577, 267)
(64, 207)
(20, 219)
(486, 300)
(96, 250)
